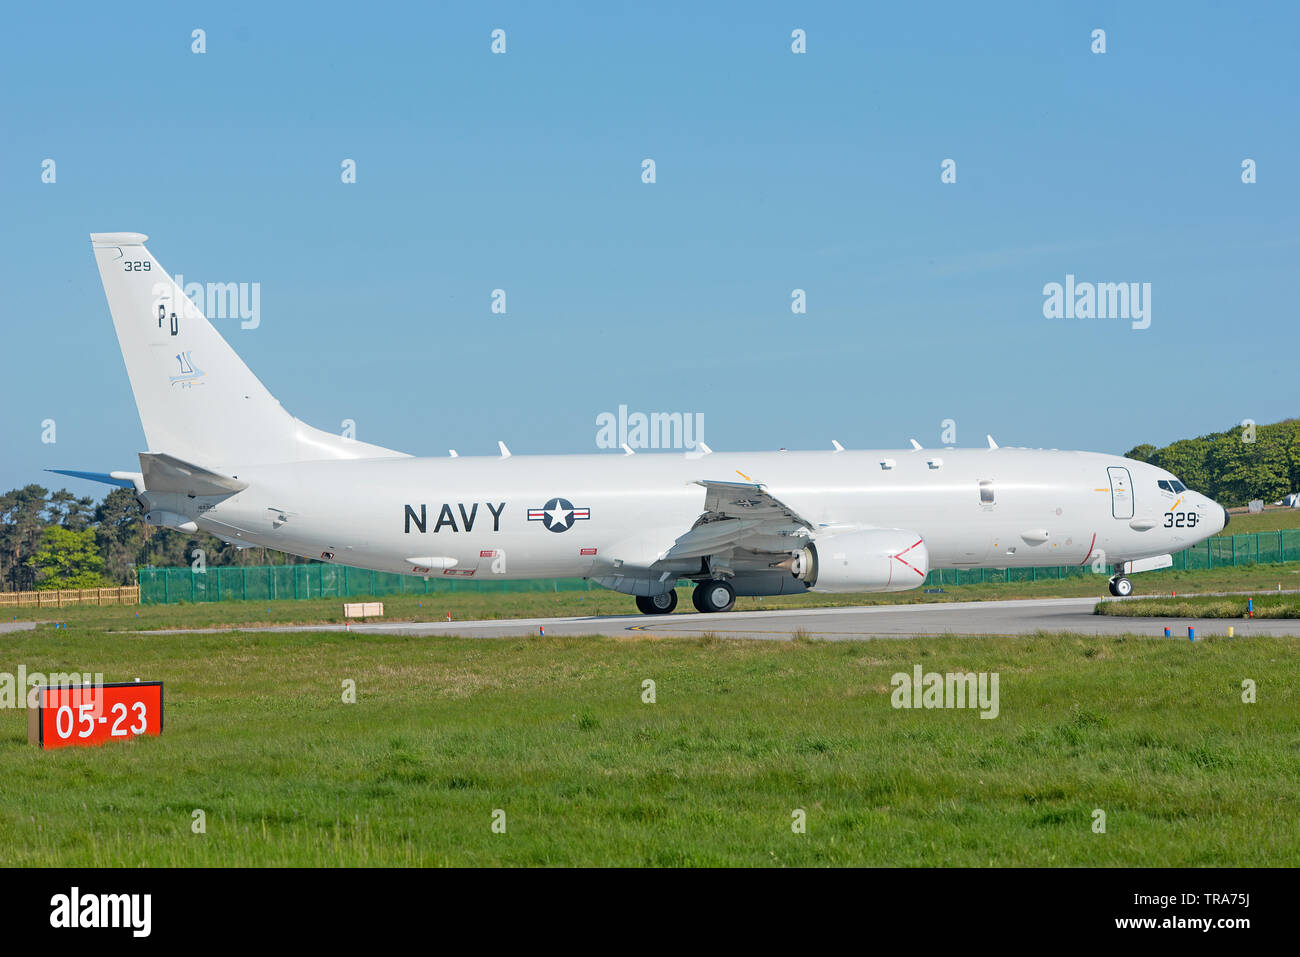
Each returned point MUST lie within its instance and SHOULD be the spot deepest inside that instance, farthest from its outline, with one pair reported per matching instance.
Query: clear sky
(775, 171)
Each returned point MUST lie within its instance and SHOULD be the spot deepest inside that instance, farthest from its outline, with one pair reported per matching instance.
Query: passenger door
(1121, 492)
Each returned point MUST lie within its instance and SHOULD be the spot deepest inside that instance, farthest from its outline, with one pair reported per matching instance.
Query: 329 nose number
(1181, 519)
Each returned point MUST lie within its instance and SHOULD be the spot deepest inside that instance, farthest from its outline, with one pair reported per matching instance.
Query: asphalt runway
(976, 618)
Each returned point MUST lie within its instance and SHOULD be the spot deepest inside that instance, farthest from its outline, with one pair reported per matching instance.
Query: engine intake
(876, 559)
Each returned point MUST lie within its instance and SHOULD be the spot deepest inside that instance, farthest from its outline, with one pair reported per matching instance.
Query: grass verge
(1204, 606)
(556, 733)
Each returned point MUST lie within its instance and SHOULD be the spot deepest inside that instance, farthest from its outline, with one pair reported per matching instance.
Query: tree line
(1246, 462)
(57, 540)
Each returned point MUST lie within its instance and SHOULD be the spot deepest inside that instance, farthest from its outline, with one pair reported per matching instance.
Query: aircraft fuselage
(588, 515)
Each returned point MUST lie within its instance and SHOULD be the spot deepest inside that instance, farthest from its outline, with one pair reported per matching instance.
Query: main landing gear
(1121, 587)
(657, 604)
(711, 596)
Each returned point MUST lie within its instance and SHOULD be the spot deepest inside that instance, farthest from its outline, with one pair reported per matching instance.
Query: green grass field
(554, 733)
(1268, 520)
(1204, 606)
(470, 605)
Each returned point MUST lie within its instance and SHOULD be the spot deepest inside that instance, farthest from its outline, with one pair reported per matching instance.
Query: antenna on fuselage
(453, 453)
(838, 447)
(992, 444)
(915, 444)
(505, 452)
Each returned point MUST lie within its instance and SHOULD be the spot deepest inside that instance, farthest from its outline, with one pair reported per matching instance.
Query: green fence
(1255, 548)
(159, 586)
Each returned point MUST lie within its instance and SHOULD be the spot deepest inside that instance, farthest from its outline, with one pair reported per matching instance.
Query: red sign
(92, 714)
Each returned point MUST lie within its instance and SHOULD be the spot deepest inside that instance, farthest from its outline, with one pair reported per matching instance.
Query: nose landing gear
(1121, 587)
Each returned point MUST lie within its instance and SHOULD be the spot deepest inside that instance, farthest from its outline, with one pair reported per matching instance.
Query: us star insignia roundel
(558, 515)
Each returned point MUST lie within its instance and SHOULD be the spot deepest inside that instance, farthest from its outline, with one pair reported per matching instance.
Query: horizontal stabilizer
(166, 473)
(107, 478)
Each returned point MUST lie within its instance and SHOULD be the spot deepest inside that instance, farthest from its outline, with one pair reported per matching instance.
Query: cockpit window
(1164, 486)
(1178, 486)
(1173, 485)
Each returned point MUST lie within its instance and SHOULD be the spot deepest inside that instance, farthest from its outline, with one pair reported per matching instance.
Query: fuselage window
(986, 492)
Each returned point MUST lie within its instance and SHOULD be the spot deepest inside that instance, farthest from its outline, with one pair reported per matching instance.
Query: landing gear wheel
(657, 604)
(1121, 587)
(717, 595)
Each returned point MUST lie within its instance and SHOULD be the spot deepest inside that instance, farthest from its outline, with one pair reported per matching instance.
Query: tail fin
(197, 400)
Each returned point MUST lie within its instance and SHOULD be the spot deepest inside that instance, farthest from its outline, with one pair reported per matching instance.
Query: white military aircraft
(225, 457)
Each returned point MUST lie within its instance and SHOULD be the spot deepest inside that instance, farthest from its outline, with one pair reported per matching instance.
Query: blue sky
(775, 171)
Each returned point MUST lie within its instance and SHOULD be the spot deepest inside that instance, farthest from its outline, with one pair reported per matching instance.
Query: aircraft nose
(1226, 517)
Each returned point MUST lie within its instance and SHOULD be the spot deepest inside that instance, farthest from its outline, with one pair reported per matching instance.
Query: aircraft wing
(739, 515)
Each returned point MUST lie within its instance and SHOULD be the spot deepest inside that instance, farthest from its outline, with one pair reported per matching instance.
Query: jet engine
(875, 559)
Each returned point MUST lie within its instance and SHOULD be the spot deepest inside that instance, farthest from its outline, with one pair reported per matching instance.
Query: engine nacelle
(875, 559)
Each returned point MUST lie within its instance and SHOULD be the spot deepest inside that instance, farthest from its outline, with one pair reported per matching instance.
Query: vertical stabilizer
(197, 400)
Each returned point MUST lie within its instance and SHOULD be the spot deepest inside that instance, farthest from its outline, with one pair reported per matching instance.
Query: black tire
(658, 604)
(1121, 587)
(713, 596)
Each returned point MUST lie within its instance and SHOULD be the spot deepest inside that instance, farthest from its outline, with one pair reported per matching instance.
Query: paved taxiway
(1021, 617)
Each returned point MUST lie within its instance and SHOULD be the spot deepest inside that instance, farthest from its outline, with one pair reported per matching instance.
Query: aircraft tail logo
(190, 373)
